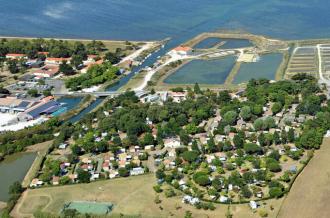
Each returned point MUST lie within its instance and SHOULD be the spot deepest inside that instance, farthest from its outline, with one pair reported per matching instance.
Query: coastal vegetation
(96, 74)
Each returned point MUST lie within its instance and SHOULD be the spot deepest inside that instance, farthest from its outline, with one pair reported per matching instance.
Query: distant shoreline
(74, 39)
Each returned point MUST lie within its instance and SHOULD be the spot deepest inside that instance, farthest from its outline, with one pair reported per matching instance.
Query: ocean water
(203, 72)
(157, 19)
(266, 68)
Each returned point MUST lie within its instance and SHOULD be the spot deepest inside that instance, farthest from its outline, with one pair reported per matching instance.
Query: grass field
(310, 194)
(130, 196)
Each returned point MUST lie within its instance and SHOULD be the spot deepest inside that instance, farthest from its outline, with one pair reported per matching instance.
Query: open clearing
(130, 196)
(310, 194)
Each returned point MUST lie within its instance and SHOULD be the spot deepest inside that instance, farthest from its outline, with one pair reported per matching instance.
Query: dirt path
(310, 194)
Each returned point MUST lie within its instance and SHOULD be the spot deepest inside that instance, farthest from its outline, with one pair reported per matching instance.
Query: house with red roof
(15, 56)
(181, 51)
(56, 60)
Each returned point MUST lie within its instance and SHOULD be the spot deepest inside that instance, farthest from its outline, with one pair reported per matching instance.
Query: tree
(246, 113)
(275, 192)
(66, 68)
(148, 139)
(291, 135)
(262, 139)
(33, 92)
(246, 192)
(230, 117)
(112, 58)
(258, 124)
(224, 97)
(76, 60)
(83, 176)
(202, 178)
(277, 107)
(251, 148)
(197, 89)
(276, 138)
(190, 156)
(15, 188)
(123, 172)
(188, 214)
(238, 141)
(47, 93)
(12, 66)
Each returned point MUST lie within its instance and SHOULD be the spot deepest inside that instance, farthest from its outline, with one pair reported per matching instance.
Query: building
(181, 51)
(14, 105)
(56, 60)
(46, 106)
(36, 183)
(178, 96)
(47, 71)
(253, 205)
(172, 143)
(16, 56)
(136, 171)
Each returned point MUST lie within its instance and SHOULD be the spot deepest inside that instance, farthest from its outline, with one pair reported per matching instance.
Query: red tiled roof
(182, 48)
(58, 59)
(15, 55)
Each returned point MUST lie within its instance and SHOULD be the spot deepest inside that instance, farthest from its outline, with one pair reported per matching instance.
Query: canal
(12, 169)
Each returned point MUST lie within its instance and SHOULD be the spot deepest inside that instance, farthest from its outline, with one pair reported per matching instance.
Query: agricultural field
(310, 194)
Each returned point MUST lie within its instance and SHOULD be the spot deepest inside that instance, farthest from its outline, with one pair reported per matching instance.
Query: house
(149, 147)
(136, 171)
(189, 199)
(172, 153)
(172, 143)
(113, 174)
(56, 60)
(178, 96)
(36, 183)
(47, 71)
(293, 169)
(56, 180)
(253, 205)
(180, 51)
(63, 146)
(15, 56)
(223, 199)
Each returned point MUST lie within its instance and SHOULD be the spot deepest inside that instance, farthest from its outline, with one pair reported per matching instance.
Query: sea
(158, 19)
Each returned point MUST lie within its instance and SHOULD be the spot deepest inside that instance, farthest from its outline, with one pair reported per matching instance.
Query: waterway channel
(13, 168)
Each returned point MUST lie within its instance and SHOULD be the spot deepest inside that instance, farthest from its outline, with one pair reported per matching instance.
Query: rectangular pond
(235, 43)
(208, 43)
(203, 72)
(12, 169)
(266, 68)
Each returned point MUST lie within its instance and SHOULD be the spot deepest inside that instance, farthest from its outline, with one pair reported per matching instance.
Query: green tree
(277, 107)
(66, 68)
(238, 141)
(113, 58)
(12, 66)
(77, 60)
(33, 92)
(246, 113)
(197, 89)
(123, 172)
(83, 176)
(230, 117)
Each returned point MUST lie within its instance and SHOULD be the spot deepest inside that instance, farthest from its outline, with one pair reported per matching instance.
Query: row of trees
(56, 48)
(96, 74)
